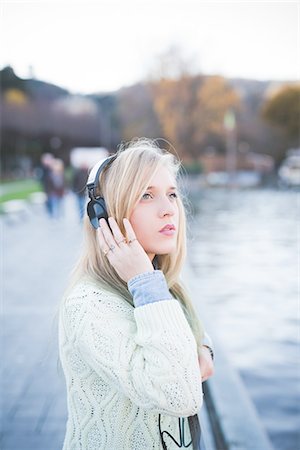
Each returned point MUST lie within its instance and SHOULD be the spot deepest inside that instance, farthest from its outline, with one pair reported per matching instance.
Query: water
(243, 246)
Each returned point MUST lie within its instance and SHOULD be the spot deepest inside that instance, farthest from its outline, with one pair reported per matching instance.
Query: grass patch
(18, 190)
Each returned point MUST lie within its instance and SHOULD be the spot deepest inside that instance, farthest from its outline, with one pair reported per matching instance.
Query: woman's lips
(168, 232)
(168, 226)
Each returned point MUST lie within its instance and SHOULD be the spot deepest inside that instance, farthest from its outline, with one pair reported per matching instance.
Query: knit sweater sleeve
(149, 356)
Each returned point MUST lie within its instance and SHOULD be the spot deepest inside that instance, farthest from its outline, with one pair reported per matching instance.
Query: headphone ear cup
(96, 210)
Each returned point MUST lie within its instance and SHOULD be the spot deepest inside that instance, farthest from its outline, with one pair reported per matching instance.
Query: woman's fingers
(102, 242)
(129, 230)
(119, 238)
(112, 233)
(113, 243)
(109, 238)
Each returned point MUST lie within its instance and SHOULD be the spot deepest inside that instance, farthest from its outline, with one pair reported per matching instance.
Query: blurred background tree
(191, 111)
(282, 110)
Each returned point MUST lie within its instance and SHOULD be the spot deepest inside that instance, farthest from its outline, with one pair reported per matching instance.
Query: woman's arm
(151, 359)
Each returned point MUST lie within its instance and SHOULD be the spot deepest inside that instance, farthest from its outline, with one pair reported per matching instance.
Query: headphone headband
(96, 208)
(94, 175)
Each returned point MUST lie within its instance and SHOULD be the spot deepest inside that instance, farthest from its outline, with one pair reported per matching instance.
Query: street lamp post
(231, 146)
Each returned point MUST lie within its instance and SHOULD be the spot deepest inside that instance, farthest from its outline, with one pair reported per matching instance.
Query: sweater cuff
(149, 287)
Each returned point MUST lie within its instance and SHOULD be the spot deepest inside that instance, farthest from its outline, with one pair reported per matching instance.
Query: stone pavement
(38, 256)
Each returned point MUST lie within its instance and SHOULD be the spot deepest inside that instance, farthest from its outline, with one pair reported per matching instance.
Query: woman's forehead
(162, 178)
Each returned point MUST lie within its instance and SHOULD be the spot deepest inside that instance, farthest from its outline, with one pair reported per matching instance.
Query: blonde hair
(122, 184)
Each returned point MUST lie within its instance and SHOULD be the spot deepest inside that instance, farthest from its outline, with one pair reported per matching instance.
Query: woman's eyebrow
(170, 187)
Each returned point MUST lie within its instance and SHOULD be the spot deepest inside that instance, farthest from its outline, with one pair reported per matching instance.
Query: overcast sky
(92, 46)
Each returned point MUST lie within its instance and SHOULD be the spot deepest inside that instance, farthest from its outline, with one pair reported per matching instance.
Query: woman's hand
(128, 258)
(206, 363)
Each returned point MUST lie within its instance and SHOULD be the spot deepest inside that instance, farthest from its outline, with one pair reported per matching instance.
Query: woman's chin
(164, 249)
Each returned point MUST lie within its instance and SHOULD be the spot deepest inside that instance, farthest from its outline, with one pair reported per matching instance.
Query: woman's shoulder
(84, 286)
(87, 301)
(92, 294)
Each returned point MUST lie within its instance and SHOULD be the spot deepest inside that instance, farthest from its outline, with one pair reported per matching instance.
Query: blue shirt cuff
(149, 287)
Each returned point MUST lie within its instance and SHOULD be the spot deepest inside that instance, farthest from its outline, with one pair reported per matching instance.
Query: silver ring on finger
(112, 247)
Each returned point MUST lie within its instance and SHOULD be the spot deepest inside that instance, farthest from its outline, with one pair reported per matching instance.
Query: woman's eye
(174, 195)
(145, 196)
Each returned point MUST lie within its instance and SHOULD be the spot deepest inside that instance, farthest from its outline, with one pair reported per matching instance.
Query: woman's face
(156, 209)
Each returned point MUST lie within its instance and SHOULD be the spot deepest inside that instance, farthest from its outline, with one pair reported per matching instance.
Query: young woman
(131, 345)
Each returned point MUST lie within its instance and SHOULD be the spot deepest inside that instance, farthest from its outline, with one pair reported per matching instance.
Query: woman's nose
(166, 208)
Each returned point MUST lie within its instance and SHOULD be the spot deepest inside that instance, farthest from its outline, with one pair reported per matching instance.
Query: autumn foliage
(282, 110)
(191, 109)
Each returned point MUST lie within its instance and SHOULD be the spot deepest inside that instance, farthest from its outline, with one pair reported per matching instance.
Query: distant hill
(248, 87)
(32, 87)
(41, 89)
(45, 90)
(254, 92)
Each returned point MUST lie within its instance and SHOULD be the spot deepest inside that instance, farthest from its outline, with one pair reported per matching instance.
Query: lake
(244, 247)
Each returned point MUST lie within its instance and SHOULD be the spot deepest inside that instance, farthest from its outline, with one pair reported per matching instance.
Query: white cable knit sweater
(123, 366)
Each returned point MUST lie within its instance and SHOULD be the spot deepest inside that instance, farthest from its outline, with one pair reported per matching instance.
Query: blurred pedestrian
(57, 188)
(45, 178)
(80, 176)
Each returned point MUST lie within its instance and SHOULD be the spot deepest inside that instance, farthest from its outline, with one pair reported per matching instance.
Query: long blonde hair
(122, 184)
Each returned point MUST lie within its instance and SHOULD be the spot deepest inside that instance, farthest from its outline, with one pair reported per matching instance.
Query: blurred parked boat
(241, 179)
(289, 171)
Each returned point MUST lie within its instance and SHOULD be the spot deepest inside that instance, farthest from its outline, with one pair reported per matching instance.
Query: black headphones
(96, 207)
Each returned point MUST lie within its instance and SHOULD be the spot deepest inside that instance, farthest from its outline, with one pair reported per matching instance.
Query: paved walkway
(38, 255)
